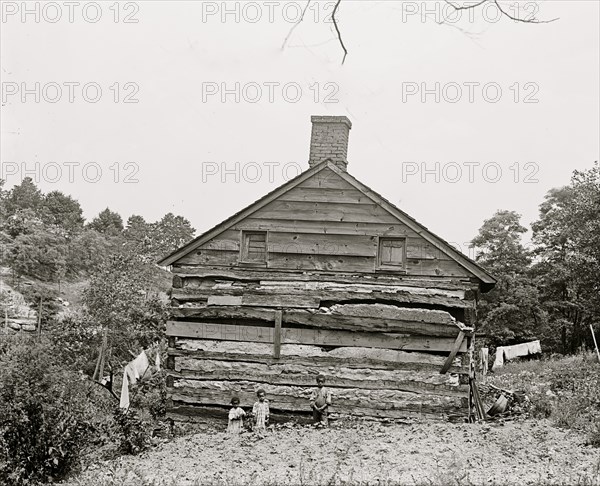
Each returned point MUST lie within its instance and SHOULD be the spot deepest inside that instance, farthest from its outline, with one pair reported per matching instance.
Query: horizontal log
(318, 337)
(322, 362)
(296, 374)
(196, 289)
(260, 274)
(182, 412)
(218, 416)
(334, 319)
(351, 357)
(291, 398)
(227, 298)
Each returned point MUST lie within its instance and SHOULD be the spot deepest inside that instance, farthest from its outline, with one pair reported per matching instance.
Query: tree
(39, 254)
(122, 298)
(107, 223)
(511, 312)
(63, 212)
(568, 267)
(170, 233)
(88, 250)
(138, 235)
(20, 211)
(22, 197)
(498, 244)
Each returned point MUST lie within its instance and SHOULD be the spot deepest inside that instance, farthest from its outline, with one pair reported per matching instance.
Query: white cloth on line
(135, 371)
(124, 402)
(515, 351)
(137, 368)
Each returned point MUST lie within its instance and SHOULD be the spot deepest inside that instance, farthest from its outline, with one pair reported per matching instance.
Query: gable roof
(441, 244)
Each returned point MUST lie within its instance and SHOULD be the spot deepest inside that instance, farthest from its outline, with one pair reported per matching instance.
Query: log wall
(390, 343)
(382, 347)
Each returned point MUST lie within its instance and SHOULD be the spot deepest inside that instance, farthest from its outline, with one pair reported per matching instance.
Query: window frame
(398, 267)
(243, 256)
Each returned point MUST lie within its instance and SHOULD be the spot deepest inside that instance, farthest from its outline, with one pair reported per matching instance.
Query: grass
(565, 390)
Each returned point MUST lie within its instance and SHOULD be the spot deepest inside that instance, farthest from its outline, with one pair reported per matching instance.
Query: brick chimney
(329, 140)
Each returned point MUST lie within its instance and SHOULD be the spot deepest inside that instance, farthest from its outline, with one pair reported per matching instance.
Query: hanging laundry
(137, 368)
(124, 402)
(510, 352)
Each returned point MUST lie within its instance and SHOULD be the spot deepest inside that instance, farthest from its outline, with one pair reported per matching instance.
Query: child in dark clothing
(320, 399)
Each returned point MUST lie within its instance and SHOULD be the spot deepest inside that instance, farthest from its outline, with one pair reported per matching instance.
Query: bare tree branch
(527, 21)
(457, 7)
(295, 25)
(502, 11)
(338, 30)
(465, 7)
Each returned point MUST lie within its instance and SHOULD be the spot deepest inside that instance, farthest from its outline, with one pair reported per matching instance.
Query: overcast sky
(451, 121)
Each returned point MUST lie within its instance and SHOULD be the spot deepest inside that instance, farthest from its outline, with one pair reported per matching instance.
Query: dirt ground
(365, 453)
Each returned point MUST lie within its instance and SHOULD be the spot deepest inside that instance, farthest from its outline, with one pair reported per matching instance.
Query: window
(391, 253)
(254, 247)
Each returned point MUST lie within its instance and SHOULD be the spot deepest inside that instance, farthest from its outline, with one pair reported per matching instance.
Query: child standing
(261, 411)
(236, 417)
(320, 399)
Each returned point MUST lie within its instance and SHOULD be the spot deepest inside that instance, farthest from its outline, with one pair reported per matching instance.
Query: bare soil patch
(365, 453)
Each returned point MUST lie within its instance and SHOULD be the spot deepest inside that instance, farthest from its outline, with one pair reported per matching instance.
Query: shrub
(132, 431)
(47, 413)
(151, 395)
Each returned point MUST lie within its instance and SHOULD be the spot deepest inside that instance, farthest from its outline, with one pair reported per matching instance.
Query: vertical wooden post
(484, 363)
(277, 335)
(102, 355)
(39, 329)
(97, 368)
(595, 343)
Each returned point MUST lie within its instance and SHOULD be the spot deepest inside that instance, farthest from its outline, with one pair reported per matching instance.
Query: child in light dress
(236, 417)
(260, 411)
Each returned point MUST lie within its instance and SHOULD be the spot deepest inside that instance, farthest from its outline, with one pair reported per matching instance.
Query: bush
(151, 395)
(48, 413)
(132, 431)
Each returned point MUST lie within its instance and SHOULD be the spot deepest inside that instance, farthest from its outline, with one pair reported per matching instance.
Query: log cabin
(323, 276)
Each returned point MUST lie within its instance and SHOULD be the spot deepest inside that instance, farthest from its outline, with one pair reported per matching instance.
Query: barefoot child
(320, 399)
(236, 417)
(261, 411)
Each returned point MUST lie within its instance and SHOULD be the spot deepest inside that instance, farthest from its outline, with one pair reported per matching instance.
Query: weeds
(566, 390)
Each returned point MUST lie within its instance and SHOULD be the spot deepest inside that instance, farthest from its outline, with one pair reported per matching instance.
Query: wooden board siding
(325, 224)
